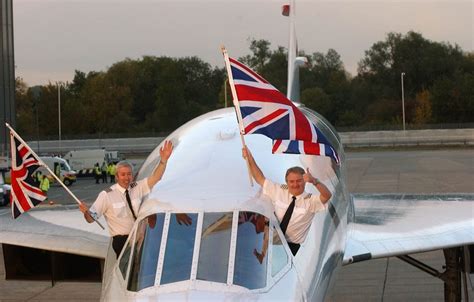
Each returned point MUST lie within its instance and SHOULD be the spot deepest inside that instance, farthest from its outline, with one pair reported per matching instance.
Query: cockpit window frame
(161, 255)
(130, 242)
(270, 280)
(197, 246)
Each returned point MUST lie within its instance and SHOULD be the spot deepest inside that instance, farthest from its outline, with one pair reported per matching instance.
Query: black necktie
(287, 216)
(130, 204)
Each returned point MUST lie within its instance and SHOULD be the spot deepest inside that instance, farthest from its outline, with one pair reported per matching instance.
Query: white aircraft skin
(213, 259)
(213, 177)
(206, 175)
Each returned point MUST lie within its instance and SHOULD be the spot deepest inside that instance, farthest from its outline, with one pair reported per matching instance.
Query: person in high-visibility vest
(103, 170)
(97, 173)
(37, 178)
(111, 170)
(44, 185)
(57, 169)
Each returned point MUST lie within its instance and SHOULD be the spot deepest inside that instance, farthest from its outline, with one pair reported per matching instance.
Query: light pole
(59, 114)
(403, 101)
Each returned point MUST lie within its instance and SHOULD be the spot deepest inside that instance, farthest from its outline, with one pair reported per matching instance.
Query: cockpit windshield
(235, 247)
(215, 247)
(179, 248)
(146, 250)
(252, 244)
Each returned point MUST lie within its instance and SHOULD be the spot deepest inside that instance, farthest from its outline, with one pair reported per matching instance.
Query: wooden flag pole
(235, 101)
(49, 170)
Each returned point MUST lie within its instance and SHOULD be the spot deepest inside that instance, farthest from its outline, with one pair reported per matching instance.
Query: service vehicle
(83, 161)
(60, 167)
(5, 188)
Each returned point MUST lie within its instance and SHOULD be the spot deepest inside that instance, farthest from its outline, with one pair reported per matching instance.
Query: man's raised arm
(165, 153)
(254, 169)
(325, 193)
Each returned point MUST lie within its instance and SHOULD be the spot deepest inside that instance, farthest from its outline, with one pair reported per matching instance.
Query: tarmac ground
(381, 171)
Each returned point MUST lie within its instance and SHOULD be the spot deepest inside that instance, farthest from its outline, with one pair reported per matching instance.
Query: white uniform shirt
(112, 203)
(306, 205)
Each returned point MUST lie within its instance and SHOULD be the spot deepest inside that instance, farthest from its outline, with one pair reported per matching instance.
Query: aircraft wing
(60, 229)
(391, 225)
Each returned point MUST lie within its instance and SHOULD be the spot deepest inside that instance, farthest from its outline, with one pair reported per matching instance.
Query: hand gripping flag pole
(13, 133)
(235, 100)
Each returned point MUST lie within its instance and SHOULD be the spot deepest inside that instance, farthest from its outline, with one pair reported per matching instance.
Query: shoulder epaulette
(284, 187)
(108, 190)
(308, 196)
(133, 184)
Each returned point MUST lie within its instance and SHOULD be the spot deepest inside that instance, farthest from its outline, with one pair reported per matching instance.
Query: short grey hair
(124, 163)
(297, 170)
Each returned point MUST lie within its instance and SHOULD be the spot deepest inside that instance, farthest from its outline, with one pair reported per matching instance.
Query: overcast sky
(55, 37)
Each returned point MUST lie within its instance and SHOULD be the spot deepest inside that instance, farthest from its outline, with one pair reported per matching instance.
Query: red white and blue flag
(302, 147)
(265, 110)
(24, 192)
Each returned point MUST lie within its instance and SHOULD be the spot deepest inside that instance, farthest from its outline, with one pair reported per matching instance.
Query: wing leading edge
(62, 230)
(387, 225)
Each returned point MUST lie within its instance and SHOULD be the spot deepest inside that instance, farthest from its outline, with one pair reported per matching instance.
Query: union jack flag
(301, 147)
(24, 193)
(265, 110)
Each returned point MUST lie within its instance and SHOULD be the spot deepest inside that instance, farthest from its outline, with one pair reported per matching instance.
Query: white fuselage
(207, 175)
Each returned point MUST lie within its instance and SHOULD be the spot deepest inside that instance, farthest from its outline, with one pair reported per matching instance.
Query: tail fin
(294, 63)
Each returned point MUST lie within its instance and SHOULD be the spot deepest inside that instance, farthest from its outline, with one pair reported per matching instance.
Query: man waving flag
(262, 109)
(24, 195)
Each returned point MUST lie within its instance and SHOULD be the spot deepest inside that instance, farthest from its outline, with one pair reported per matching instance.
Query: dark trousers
(118, 242)
(294, 247)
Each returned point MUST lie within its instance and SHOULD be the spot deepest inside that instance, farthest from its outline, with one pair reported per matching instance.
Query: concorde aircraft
(213, 254)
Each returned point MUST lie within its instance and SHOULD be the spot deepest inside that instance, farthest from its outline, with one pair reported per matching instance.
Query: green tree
(328, 74)
(318, 100)
(453, 99)
(422, 60)
(423, 110)
(106, 105)
(275, 70)
(260, 55)
(190, 87)
(25, 108)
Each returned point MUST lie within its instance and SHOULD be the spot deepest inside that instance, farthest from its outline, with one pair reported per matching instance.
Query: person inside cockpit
(261, 224)
(294, 207)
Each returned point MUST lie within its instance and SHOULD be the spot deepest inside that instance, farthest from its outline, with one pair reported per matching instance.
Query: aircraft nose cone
(199, 295)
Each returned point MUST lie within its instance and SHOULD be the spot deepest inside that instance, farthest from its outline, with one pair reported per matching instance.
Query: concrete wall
(140, 145)
(408, 138)
(145, 145)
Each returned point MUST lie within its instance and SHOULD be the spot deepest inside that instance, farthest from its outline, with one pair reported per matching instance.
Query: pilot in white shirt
(294, 207)
(120, 212)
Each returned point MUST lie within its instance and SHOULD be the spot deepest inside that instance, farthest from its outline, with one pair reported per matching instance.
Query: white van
(60, 166)
(83, 161)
